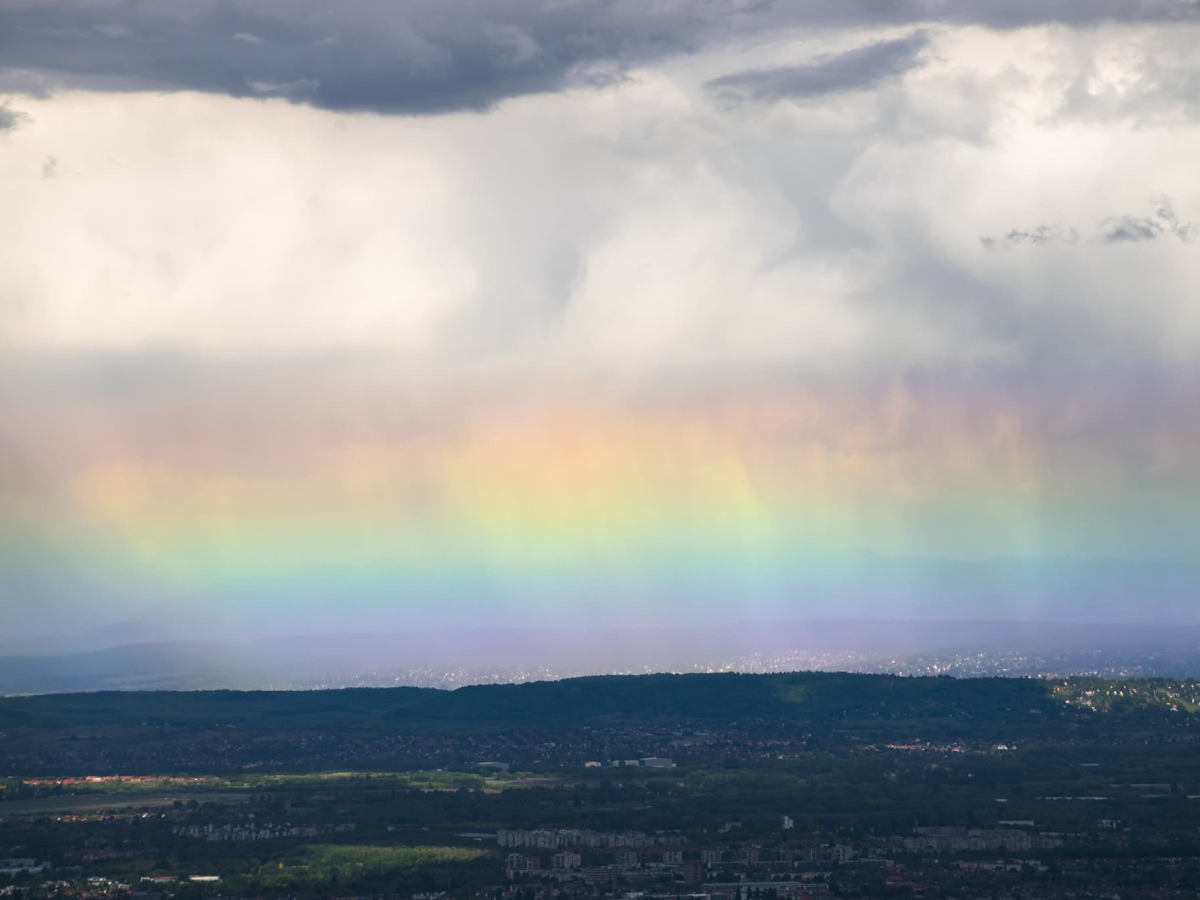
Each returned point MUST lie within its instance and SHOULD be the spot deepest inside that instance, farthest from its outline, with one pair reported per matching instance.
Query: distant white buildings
(563, 838)
(520, 864)
(958, 838)
(841, 853)
(21, 866)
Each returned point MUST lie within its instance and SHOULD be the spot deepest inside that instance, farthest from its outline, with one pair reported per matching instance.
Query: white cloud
(638, 232)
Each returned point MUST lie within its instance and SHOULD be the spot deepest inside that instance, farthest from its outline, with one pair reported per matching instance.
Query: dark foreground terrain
(718, 786)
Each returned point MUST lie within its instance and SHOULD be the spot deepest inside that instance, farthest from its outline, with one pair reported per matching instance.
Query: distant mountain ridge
(521, 654)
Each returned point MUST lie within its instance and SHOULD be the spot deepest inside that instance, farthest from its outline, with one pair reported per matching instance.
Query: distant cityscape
(1015, 663)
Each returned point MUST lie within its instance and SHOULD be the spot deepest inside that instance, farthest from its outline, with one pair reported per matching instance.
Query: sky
(363, 316)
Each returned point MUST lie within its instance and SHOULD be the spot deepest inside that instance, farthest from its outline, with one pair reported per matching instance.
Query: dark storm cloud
(832, 74)
(430, 56)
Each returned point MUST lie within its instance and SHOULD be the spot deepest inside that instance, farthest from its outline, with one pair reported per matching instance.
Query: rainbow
(751, 506)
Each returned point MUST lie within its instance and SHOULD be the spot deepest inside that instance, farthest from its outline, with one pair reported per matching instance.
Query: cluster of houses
(633, 854)
(788, 867)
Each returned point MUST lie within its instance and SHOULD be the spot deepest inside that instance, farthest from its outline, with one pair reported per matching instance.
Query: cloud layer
(430, 56)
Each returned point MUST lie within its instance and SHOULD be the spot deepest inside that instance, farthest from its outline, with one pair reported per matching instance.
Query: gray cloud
(9, 118)
(1043, 234)
(1165, 212)
(1129, 230)
(832, 74)
(1157, 84)
(431, 56)
(1123, 229)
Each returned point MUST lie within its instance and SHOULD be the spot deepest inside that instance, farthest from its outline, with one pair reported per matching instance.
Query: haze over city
(527, 319)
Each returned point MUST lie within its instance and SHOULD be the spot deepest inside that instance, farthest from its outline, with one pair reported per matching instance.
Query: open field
(353, 856)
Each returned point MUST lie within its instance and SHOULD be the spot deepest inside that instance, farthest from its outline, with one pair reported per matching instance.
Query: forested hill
(811, 697)
(696, 719)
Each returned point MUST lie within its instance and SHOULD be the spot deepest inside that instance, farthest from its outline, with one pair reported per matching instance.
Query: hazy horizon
(456, 657)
